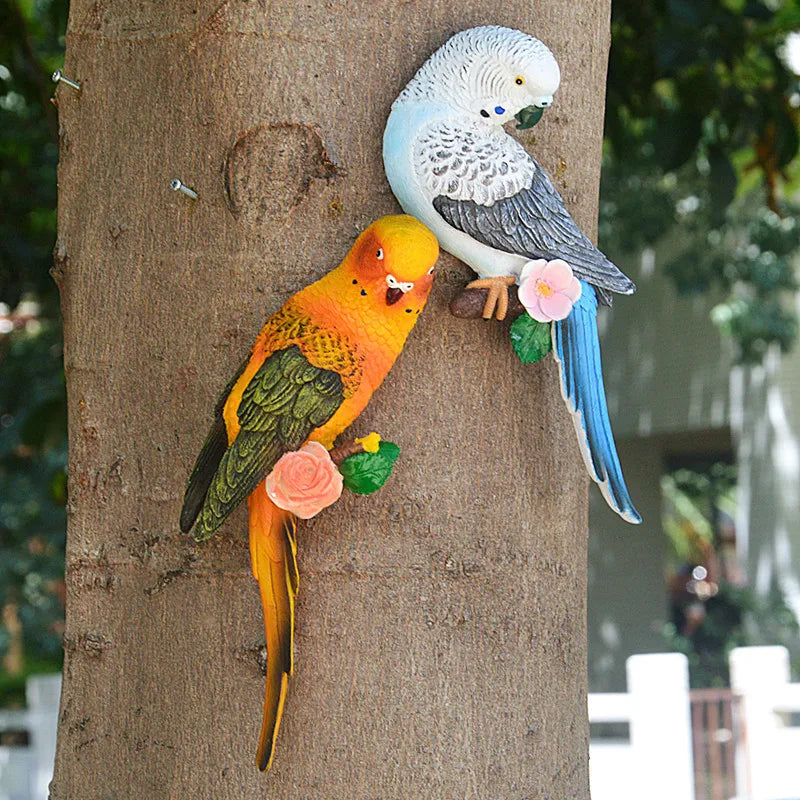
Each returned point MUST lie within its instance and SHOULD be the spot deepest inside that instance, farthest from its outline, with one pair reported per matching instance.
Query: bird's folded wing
(283, 403)
(534, 223)
(211, 453)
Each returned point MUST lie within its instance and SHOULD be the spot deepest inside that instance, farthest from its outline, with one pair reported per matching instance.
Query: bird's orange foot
(498, 295)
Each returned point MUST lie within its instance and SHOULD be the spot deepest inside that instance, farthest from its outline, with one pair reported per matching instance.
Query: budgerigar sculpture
(452, 165)
(311, 372)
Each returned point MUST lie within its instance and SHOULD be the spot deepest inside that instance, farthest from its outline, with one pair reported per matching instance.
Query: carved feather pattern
(467, 163)
(535, 223)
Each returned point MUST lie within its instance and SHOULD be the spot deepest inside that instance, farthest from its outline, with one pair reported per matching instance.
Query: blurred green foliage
(12, 687)
(696, 499)
(33, 445)
(702, 144)
(31, 47)
(735, 617)
(33, 461)
(712, 614)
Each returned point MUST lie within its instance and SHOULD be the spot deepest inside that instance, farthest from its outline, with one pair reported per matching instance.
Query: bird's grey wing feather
(535, 223)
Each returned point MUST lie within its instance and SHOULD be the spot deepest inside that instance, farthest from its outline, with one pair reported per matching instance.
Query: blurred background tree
(33, 445)
(702, 142)
(701, 139)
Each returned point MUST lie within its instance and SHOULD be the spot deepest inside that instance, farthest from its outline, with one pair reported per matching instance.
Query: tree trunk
(441, 623)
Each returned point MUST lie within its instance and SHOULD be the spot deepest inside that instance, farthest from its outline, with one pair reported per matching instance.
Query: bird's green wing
(210, 455)
(283, 403)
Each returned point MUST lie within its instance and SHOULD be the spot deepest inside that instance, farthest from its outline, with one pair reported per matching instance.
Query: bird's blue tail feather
(577, 350)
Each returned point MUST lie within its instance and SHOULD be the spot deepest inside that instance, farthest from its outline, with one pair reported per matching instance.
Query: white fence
(760, 675)
(656, 760)
(25, 772)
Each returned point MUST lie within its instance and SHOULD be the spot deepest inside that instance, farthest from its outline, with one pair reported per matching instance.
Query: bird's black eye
(379, 254)
(519, 80)
(484, 112)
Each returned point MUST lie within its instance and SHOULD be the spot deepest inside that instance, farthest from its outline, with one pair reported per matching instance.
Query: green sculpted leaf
(365, 473)
(531, 339)
(528, 117)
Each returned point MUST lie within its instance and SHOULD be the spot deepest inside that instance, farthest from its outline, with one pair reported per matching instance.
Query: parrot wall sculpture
(452, 165)
(311, 372)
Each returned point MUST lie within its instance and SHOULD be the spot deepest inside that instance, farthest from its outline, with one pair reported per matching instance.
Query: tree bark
(441, 639)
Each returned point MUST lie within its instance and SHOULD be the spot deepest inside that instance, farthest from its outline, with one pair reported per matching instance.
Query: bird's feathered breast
(326, 346)
(338, 328)
(466, 161)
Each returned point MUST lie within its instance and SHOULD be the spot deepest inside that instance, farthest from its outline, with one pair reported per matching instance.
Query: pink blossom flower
(548, 289)
(304, 481)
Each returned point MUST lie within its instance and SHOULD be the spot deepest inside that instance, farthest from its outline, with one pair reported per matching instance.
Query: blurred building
(676, 399)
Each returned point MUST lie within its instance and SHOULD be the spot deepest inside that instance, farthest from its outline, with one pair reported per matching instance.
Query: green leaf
(676, 135)
(365, 473)
(757, 10)
(528, 117)
(531, 339)
(787, 141)
(684, 10)
(722, 181)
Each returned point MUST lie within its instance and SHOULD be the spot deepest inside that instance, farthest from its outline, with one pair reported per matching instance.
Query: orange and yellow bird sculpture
(311, 372)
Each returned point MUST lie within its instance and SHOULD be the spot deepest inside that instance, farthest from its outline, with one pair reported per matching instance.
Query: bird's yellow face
(392, 264)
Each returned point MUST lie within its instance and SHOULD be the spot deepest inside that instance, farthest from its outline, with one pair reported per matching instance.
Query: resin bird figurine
(452, 165)
(312, 370)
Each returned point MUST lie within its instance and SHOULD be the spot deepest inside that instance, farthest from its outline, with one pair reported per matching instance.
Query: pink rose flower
(548, 289)
(304, 481)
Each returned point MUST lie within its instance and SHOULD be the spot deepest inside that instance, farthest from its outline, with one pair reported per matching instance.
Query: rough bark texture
(441, 622)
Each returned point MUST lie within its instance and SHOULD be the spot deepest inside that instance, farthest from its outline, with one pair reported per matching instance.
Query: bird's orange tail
(272, 550)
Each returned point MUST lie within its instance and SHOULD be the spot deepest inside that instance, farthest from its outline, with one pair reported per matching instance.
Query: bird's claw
(498, 295)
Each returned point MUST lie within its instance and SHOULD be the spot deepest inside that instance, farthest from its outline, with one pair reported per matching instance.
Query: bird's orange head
(393, 262)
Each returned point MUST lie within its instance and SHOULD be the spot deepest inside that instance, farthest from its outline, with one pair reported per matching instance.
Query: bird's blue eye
(499, 110)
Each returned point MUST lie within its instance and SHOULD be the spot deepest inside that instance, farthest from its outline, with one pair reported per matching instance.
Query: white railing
(656, 760)
(768, 767)
(26, 771)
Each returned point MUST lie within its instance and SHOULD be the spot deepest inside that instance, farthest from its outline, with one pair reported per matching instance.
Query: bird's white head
(490, 72)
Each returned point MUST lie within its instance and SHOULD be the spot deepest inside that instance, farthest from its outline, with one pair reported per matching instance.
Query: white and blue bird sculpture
(452, 165)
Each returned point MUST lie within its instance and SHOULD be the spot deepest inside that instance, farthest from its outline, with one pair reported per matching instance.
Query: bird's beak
(529, 116)
(393, 295)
